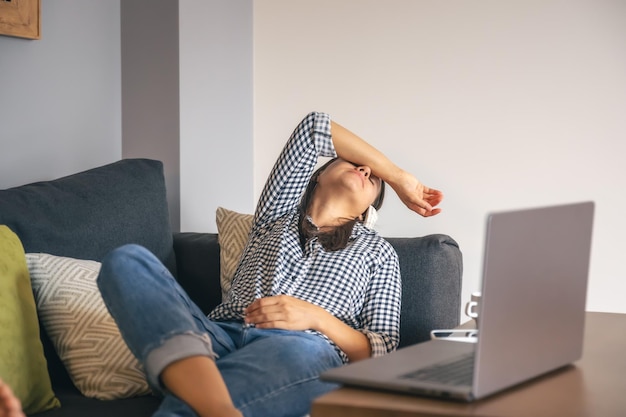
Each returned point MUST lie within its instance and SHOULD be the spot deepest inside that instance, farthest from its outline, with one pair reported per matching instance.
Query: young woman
(315, 288)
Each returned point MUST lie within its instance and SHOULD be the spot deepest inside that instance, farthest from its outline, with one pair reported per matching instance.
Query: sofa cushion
(77, 405)
(22, 362)
(83, 332)
(87, 214)
(233, 229)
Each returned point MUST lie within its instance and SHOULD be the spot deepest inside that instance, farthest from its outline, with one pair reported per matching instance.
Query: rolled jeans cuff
(175, 348)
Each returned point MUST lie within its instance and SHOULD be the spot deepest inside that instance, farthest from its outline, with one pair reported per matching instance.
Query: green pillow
(22, 362)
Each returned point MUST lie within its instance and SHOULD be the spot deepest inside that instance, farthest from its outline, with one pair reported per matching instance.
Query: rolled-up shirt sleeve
(381, 311)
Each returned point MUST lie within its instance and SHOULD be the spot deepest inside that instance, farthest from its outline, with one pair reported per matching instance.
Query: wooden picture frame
(20, 18)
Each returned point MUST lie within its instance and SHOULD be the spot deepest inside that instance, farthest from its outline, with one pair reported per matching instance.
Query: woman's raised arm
(415, 195)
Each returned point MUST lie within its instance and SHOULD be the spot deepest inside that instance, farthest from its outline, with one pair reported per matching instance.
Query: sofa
(83, 216)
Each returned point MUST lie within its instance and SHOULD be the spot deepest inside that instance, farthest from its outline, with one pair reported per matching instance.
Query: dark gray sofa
(87, 214)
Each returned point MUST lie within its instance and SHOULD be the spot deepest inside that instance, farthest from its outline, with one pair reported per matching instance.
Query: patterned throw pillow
(233, 229)
(83, 332)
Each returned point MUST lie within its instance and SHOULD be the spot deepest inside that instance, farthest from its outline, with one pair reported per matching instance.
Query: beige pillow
(233, 229)
(81, 329)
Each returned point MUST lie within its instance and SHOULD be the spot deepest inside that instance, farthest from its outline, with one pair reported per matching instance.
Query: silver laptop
(531, 315)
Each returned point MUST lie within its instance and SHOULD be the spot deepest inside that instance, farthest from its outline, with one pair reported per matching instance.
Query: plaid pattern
(360, 284)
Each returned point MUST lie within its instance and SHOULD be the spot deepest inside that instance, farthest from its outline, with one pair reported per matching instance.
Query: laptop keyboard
(457, 372)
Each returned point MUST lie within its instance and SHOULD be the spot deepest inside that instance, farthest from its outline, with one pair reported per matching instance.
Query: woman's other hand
(284, 312)
(290, 313)
(416, 196)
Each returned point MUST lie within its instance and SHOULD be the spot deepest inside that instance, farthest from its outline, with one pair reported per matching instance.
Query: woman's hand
(416, 196)
(284, 312)
(290, 313)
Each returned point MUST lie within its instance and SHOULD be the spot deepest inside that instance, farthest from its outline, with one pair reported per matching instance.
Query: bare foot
(9, 404)
(197, 381)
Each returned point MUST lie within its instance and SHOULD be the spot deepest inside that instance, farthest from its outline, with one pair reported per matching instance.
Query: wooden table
(593, 386)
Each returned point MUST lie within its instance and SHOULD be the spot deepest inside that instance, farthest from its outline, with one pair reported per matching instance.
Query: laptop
(531, 315)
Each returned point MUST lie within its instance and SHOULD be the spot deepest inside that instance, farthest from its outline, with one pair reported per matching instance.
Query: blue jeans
(267, 372)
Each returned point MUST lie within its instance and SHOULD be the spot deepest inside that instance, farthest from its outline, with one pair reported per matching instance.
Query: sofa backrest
(432, 269)
(85, 215)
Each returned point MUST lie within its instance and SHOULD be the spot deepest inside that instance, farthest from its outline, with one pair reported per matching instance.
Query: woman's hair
(331, 238)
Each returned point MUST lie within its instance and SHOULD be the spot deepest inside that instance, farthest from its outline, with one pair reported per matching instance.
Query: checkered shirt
(359, 284)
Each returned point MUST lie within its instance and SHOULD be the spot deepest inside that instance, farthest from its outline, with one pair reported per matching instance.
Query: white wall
(500, 104)
(215, 110)
(60, 95)
(187, 101)
(150, 90)
(61, 98)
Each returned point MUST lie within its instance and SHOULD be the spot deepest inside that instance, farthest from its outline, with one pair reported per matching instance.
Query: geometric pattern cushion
(84, 334)
(22, 361)
(233, 229)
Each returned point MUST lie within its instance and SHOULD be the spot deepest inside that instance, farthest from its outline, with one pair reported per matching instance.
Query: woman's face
(355, 182)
